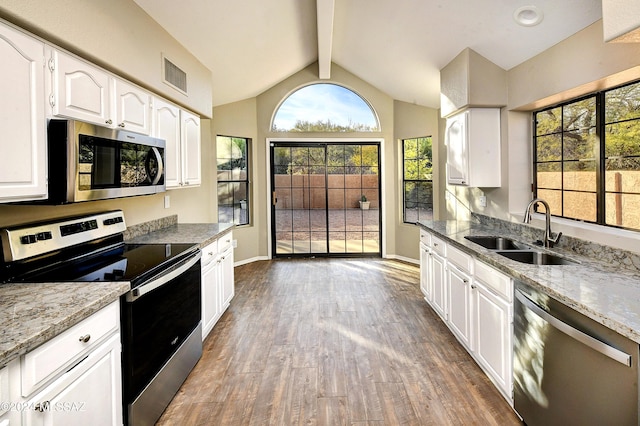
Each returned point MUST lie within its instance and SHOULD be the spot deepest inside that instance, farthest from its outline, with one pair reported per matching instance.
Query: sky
(322, 102)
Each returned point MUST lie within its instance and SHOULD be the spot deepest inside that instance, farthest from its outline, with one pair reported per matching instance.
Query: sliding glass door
(325, 199)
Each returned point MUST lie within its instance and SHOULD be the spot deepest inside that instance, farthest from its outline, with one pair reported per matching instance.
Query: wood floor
(334, 342)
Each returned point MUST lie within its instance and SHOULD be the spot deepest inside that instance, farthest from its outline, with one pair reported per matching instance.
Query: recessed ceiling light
(528, 16)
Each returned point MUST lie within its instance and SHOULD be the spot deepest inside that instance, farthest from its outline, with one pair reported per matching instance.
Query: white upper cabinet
(80, 90)
(473, 148)
(23, 170)
(85, 92)
(133, 107)
(190, 124)
(166, 125)
(181, 131)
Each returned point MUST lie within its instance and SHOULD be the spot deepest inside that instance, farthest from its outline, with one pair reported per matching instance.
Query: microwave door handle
(155, 179)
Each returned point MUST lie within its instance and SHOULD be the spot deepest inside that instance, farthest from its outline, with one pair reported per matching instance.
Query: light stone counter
(606, 293)
(31, 314)
(189, 233)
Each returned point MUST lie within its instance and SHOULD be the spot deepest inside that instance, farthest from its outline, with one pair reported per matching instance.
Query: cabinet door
(457, 155)
(190, 140)
(88, 394)
(227, 274)
(166, 125)
(493, 336)
(459, 303)
(211, 296)
(81, 90)
(425, 271)
(439, 285)
(133, 107)
(23, 170)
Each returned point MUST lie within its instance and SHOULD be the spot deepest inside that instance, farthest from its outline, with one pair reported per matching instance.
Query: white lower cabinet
(493, 326)
(88, 393)
(438, 281)
(425, 271)
(73, 379)
(476, 302)
(459, 298)
(218, 286)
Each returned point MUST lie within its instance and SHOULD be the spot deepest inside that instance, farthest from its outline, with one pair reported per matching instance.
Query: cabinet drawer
(425, 237)
(494, 279)
(225, 242)
(48, 359)
(439, 246)
(209, 252)
(460, 259)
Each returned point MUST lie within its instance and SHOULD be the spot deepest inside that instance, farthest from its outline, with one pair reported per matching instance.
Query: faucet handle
(556, 239)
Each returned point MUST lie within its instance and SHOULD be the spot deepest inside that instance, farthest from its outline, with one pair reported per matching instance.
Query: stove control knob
(28, 239)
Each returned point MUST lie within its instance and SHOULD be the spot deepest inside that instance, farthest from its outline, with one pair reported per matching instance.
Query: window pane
(333, 108)
(622, 103)
(579, 115)
(579, 176)
(418, 189)
(549, 175)
(580, 205)
(233, 180)
(553, 198)
(623, 210)
(549, 148)
(549, 121)
(580, 145)
(622, 139)
(622, 175)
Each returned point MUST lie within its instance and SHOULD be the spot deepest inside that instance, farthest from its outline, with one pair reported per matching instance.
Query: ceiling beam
(325, 11)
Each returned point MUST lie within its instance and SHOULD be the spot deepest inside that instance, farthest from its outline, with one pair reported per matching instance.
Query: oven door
(159, 319)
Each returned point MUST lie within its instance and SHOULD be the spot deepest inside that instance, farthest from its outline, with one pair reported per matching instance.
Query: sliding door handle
(274, 199)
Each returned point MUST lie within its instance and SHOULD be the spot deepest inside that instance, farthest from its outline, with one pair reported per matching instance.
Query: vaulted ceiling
(399, 46)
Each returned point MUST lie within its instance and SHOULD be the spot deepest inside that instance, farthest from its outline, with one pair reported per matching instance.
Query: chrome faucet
(548, 240)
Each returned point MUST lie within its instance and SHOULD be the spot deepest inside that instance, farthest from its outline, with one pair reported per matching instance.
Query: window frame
(405, 181)
(246, 182)
(599, 158)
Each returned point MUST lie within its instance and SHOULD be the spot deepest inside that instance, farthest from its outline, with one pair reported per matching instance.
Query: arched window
(325, 107)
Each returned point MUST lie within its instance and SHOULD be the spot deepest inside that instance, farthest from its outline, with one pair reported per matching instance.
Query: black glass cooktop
(124, 262)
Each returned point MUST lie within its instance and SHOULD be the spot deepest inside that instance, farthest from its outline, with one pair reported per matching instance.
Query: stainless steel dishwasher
(569, 369)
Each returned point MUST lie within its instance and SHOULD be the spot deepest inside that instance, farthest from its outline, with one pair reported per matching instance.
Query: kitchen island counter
(607, 294)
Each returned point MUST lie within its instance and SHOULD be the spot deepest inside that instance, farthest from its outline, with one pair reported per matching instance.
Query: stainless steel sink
(497, 243)
(536, 257)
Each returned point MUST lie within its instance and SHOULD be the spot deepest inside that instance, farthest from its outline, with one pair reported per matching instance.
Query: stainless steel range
(160, 315)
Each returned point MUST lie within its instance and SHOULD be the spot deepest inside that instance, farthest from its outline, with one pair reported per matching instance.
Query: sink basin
(536, 257)
(497, 243)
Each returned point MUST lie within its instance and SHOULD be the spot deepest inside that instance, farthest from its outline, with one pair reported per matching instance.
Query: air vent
(174, 76)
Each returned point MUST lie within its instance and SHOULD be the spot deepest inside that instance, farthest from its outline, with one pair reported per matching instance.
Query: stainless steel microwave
(90, 162)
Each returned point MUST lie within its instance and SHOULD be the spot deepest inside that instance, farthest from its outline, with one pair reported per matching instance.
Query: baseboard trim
(250, 260)
(402, 258)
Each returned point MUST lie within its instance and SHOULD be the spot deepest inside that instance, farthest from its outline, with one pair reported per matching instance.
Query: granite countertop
(610, 296)
(31, 314)
(190, 233)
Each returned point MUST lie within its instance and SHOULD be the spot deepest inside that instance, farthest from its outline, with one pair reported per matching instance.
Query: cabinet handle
(473, 286)
(85, 338)
(465, 281)
(109, 121)
(210, 253)
(435, 244)
(186, 183)
(121, 125)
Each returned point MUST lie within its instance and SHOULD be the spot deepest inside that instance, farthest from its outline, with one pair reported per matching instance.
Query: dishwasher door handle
(595, 344)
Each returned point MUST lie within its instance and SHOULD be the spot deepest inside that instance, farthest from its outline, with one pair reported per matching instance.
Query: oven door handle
(162, 279)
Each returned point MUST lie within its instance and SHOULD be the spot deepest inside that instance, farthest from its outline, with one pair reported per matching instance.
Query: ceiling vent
(173, 75)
